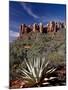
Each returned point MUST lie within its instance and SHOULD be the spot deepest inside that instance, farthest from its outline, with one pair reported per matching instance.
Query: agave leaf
(28, 75)
(29, 79)
(46, 65)
(40, 73)
(51, 70)
(34, 71)
(28, 66)
(25, 73)
(43, 65)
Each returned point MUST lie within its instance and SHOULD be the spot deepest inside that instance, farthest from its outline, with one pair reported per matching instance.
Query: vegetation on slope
(51, 46)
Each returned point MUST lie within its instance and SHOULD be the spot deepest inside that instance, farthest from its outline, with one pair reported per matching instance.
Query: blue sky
(29, 13)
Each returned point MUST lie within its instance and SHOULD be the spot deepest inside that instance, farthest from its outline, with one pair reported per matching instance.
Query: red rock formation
(22, 30)
(52, 26)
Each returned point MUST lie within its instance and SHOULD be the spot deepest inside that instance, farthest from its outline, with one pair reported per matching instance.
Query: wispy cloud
(29, 11)
(13, 30)
(13, 35)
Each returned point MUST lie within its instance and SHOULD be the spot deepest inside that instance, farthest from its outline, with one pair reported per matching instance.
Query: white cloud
(29, 11)
(13, 34)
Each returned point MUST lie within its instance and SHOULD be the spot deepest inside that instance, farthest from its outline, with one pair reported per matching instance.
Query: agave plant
(32, 74)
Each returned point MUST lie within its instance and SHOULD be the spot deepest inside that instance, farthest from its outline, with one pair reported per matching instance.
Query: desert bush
(41, 45)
